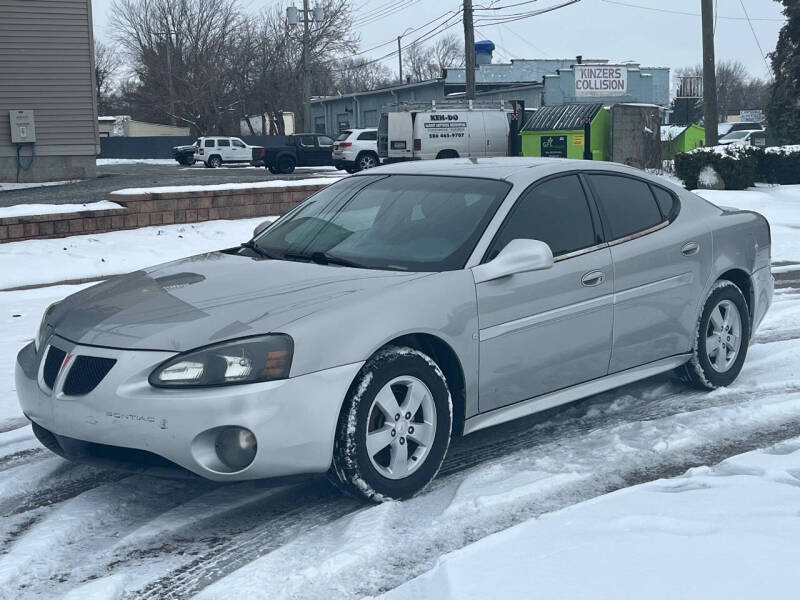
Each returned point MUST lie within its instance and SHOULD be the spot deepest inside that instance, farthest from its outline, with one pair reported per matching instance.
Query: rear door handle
(593, 278)
(690, 248)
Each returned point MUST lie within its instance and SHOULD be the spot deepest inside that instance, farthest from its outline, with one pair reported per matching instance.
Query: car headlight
(42, 331)
(249, 360)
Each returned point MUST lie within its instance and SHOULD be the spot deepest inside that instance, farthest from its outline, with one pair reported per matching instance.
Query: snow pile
(729, 531)
(33, 262)
(228, 186)
(670, 132)
(25, 210)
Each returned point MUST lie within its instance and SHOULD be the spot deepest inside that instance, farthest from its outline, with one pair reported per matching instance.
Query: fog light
(236, 447)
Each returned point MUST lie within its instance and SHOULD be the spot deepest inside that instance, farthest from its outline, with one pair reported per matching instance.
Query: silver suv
(356, 150)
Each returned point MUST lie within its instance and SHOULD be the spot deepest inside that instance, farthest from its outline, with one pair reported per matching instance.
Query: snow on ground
(170, 189)
(103, 162)
(8, 187)
(33, 262)
(22, 210)
(722, 532)
(780, 204)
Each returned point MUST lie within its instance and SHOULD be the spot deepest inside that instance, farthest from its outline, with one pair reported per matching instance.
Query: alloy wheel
(723, 336)
(401, 427)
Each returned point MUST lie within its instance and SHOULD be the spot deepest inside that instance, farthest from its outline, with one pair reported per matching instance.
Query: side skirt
(596, 386)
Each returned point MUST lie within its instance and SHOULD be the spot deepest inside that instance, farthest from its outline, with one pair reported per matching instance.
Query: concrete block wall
(148, 209)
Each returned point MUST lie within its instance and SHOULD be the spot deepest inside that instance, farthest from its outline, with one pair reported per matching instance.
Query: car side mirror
(519, 256)
(261, 227)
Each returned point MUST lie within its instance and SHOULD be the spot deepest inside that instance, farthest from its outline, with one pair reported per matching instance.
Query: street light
(309, 16)
(400, 51)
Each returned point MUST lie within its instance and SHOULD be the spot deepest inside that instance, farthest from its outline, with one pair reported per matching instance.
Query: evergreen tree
(783, 110)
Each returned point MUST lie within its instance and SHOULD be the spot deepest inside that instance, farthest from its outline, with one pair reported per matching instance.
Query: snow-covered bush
(740, 167)
(735, 165)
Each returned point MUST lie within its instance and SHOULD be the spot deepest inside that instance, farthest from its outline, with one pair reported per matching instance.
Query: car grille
(86, 374)
(52, 365)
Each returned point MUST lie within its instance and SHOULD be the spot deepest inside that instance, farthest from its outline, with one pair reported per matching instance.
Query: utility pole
(710, 112)
(400, 58)
(306, 69)
(170, 82)
(469, 50)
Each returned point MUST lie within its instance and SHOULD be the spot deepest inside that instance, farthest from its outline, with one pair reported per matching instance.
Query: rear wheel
(447, 154)
(394, 428)
(286, 165)
(214, 162)
(366, 160)
(722, 338)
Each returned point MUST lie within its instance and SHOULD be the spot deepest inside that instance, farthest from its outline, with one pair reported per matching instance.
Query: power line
(526, 15)
(680, 12)
(755, 37)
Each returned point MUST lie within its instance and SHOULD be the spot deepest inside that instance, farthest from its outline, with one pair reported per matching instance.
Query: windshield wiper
(323, 258)
(257, 249)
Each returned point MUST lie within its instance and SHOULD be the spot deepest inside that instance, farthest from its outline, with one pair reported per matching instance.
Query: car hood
(209, 298)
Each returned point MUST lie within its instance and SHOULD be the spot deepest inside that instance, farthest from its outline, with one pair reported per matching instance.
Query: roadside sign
(751, 116)
(577, 140)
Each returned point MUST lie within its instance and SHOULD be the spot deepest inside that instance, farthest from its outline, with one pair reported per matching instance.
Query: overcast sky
(618, 30)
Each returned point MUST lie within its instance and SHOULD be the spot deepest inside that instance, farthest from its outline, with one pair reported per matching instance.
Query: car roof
(501, 167)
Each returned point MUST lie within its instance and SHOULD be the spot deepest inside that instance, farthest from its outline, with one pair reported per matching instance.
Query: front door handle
(690, 248)
(593, 278)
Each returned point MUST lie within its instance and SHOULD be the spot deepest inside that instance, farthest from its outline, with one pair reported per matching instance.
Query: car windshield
(397, 222)
(736, 135)
(343, 136)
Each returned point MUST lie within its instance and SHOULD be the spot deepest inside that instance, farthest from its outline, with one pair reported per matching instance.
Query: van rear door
(497, 128)
(401, 135)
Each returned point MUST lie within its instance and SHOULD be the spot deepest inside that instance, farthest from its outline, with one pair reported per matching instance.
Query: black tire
(447, 154)
(273, 170)
(699, 371)
(184, 161)
(214, 162)
(353, 469)
(286, 165)
(351, 170)
(367, 160)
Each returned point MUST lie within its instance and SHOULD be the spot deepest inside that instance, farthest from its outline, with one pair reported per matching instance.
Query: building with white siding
(47, 69)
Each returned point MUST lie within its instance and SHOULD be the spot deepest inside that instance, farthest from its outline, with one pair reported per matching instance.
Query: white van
(443, 132)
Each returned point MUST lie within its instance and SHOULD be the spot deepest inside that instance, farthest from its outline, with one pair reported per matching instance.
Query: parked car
(185, 155)
(356, 149)
(299, 150)
(394, 309)
(726, 128)
(443, 131)
(742, 137)
(217, 151)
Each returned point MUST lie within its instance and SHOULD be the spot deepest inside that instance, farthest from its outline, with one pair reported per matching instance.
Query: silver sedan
(393, 310)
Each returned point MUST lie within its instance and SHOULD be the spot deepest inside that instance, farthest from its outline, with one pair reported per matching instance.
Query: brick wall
(143, 210)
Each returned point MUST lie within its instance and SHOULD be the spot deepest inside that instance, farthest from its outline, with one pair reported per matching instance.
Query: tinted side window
(666, 202)
(307, 140)
(626, 204)
(324, 140)
(209, 144)
(238, 143)
(555, 212)
(368, 136)
(224, 143)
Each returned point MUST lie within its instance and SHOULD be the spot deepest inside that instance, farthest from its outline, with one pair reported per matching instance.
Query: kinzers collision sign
(600, 80)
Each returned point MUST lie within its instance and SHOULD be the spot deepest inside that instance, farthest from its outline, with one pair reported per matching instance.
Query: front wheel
(394, 428)
(722, 338)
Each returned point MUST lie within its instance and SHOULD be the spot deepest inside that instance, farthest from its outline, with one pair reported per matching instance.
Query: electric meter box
(23, 127)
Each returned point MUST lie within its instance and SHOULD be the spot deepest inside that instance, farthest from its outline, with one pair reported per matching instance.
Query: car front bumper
(293, 420)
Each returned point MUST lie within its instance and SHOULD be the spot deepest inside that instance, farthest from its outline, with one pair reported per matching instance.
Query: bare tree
(428, 62)
(107, 64)
(178, 51)
(736, 89)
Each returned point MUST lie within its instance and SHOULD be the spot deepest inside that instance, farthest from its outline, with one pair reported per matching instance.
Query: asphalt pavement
(117, 177)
